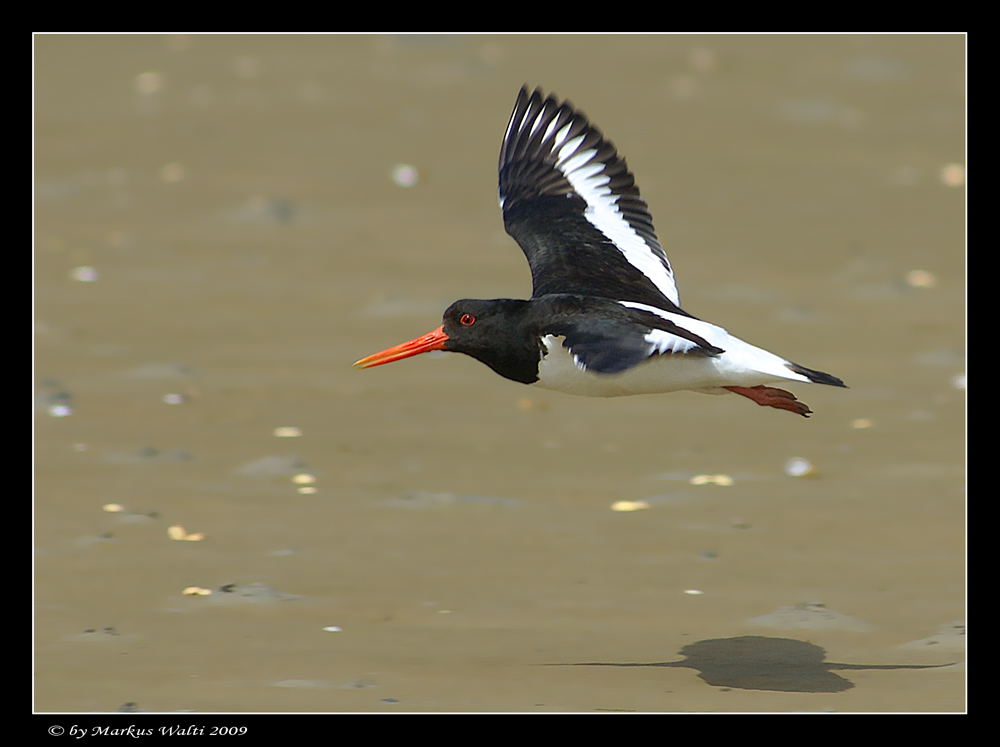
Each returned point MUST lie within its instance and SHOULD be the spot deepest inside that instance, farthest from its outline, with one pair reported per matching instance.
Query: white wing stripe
(550, 129)
(567, 151)
(561, 135)
(664, 342)
(602, 213)
(739, 357)
(534, 125)
(710, 333)
(580, 167)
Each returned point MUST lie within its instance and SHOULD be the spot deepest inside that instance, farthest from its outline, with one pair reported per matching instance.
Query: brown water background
(235, 198)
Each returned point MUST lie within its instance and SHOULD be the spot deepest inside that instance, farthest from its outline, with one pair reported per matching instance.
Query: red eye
(467, 319)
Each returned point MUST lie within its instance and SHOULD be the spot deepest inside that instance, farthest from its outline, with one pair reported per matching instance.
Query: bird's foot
(768, 396)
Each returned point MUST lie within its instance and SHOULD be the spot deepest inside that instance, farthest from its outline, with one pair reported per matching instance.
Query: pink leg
(767, 396)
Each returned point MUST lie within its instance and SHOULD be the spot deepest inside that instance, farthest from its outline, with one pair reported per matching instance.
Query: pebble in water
(800, 467)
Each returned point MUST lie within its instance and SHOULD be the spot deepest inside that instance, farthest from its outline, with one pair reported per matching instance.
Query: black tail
(816, 377)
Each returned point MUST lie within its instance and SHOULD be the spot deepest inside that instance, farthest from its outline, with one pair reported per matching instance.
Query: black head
(498, 333)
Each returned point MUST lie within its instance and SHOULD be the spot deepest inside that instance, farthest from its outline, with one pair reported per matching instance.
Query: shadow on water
(761, 663)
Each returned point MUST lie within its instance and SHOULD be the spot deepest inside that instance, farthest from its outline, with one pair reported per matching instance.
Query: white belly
(740, 365)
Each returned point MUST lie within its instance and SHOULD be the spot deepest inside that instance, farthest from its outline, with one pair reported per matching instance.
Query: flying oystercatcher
(604, 318)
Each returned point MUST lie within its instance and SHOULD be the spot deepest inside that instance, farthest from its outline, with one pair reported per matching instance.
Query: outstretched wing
(573, 206)
(615, 336)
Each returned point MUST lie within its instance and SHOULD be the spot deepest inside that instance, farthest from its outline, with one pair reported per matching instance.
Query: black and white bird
(604, 318)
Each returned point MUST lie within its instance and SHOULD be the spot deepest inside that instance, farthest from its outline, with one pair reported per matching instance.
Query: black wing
(609, 337)
(571, 203)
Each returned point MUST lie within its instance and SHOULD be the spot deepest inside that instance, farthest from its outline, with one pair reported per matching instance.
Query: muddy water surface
(250, 234)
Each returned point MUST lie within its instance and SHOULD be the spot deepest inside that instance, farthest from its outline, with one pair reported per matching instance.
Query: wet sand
(235, 199)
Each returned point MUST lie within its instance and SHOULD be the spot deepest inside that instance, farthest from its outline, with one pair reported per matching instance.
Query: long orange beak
(431, 341)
